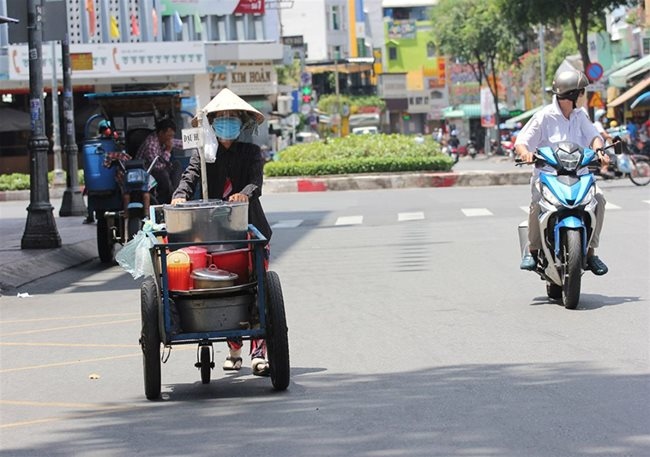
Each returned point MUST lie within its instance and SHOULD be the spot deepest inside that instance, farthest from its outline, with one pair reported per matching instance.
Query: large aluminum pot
(207, 220)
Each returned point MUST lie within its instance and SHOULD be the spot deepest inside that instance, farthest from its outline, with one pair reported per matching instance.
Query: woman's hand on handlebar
(239, 198)
(176, 201)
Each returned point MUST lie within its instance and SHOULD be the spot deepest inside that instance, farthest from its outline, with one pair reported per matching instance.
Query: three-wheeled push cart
(253, 308)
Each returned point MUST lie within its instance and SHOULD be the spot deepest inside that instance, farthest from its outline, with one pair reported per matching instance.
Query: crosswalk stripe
(416, 216)
(289, 223)
(349, 220)
(647, 201)
(610, 205)
(473, 212)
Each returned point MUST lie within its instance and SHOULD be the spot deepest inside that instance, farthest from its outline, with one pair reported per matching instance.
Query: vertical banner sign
(488, 110)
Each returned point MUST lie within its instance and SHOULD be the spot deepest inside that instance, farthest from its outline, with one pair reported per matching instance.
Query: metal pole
(542, 65)
(59, 178)
(338, 98)
(73, 202)
(40, 229)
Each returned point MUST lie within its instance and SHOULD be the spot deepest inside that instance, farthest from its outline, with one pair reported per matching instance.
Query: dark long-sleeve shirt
(243, 165)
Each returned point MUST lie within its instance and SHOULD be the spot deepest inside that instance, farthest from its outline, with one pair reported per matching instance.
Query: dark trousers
(167, 179)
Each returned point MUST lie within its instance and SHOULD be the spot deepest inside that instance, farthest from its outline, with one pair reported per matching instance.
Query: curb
(45, 262)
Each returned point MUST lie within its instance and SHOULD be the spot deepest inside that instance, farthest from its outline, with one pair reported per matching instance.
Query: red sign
(250, 7)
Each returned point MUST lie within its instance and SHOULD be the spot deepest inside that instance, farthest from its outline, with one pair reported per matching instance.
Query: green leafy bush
(359, 154)
(20, 181)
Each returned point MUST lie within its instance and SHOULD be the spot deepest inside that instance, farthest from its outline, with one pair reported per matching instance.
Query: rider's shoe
(528, 262)
(596, 265)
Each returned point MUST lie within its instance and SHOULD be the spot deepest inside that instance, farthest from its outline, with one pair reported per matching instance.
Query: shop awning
(470, 111)
(620, 77)
(523, 117)
(642, 100)
(342, 67)
(628, 95)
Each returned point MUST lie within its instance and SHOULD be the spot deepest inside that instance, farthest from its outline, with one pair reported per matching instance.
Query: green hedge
(359, 154)
(20, 181)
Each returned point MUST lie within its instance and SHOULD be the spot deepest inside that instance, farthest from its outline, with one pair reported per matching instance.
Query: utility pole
(56, 142)
(542, 65)
(73, 202)
(40, 229)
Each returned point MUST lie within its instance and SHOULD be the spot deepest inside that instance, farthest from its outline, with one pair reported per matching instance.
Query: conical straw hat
(227, 100)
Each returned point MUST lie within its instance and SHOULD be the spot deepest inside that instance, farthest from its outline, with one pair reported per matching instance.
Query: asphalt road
(412, 333)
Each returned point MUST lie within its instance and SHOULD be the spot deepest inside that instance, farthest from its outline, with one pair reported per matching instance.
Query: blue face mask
(227, 128)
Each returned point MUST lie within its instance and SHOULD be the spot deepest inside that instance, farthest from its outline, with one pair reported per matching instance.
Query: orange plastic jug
(178, 270)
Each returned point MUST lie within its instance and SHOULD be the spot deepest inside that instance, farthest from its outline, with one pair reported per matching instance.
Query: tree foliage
(473, 31)
(580, 15)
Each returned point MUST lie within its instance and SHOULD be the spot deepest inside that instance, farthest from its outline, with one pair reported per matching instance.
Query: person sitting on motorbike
(235, 176)
(561, 121)
(159, 144)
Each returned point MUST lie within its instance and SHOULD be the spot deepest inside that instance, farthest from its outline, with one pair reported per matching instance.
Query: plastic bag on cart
(211, 144)
(135, 256)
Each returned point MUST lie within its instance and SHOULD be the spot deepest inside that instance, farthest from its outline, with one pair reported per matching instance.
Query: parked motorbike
(567, 217)
(471, 149)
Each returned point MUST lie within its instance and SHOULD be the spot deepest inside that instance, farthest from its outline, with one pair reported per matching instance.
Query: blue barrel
(97, 177)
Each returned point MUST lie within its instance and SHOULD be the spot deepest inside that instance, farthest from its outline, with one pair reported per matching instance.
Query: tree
(581, 15)
(474, 32)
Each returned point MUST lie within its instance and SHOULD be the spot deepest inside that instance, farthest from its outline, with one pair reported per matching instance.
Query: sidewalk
(78, 242)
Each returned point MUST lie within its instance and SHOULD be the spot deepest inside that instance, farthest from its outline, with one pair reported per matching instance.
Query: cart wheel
(150, 338)
(104, 240)
(277, 341)
(205, 364)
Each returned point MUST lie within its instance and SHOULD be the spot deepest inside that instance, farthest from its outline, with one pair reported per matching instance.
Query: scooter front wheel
(572, 274)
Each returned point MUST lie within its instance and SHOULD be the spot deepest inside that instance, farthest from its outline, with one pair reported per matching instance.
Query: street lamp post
(40, 229)
(73, 202)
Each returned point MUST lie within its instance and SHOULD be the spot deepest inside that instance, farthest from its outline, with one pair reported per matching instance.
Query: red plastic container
(236, 261)
(198, 259)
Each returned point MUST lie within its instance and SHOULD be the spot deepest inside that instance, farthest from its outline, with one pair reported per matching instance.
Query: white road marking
(610, 205)
(647, 201)
(473, 212)
(416, 216)
(525, 209)
(349, 220)
(289, 223)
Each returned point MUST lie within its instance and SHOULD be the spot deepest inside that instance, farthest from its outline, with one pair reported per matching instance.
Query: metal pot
(207, 220)
(212, 278)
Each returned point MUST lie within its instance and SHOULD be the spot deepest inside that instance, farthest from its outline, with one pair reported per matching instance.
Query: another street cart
(252, 308)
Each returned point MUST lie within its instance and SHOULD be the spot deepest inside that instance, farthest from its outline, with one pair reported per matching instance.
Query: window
(431, 50)
(335, 18)
(392, 53)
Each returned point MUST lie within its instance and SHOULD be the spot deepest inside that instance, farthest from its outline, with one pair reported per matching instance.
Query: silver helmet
(568, 81)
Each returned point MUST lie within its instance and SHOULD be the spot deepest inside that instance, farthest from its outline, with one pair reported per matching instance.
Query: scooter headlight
(549, 197)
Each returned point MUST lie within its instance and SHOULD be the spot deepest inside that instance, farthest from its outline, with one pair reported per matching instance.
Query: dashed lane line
(414, 216)
(66, 318)
(349, 220)
(69, 327)
(476, 212)
(289, 223)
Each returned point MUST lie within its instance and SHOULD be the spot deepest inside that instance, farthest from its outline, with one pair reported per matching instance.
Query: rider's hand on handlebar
(604, 158)
(526, 157)
(176, 201)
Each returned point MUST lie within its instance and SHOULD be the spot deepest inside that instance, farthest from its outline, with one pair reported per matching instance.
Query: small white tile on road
(416, 216)
(349, 220)
(610, 205)
(473, 212)
(289, 223)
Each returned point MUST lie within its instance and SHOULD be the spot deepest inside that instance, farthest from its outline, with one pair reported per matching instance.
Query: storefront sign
(244, 78)
(117, 59)
(212, 7)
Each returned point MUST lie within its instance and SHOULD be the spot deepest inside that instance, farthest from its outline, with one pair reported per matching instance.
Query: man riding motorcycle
(561, 121)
